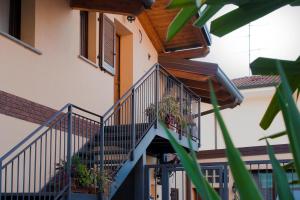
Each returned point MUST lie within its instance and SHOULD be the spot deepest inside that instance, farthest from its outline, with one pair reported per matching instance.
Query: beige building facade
(55, 52)
(51, 72)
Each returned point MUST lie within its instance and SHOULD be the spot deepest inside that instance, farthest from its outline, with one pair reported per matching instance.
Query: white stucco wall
(243, 121)
(59, 76)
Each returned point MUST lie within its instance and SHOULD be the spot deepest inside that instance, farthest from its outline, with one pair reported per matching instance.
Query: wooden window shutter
(107, 44)
(84, 21)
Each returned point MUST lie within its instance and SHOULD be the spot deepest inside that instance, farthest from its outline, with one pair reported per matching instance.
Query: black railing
(44, 164)
(164, 181)
(127, 121)
(39, 167)
(189, 105)
(170, 181)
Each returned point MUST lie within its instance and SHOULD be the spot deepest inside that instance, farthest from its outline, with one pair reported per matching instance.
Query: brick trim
(20, 108)
(245, 151)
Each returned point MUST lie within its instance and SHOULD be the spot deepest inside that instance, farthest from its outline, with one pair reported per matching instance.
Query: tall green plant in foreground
(289, 71)
(246, 12)
(243, 179)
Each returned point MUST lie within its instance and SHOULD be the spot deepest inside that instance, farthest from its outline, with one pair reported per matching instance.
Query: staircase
(42, 165)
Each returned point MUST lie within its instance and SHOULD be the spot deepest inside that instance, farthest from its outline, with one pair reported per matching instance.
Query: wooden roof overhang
(124, 7)
(190, 42)
(195, 75)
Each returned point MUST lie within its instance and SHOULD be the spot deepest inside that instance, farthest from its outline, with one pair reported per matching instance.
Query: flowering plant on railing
(169, 111)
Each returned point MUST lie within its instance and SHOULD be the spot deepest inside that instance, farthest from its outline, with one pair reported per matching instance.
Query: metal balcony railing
(42, 165)
(39, 166)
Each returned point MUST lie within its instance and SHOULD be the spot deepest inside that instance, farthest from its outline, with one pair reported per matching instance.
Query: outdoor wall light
(131, 18)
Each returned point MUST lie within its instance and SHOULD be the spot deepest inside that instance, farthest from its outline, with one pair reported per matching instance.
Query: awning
(195, 75)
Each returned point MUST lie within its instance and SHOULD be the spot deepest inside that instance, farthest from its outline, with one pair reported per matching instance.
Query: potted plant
(150, 113)
(84, 180)
(169, 111)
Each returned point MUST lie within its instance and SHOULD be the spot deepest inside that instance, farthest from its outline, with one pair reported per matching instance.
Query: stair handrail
(129, 98)
(156, 66)
(180, 82)
(139, 81)
(43, 125)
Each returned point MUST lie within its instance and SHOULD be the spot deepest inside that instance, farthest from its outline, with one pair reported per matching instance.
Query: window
(107, 44)
(17, 19)
(265, 182)
(102, 53)
(84, 21)
(10, 17)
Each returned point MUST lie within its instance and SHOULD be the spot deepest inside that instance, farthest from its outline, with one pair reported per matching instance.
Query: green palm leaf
(295, 3)
(290, 165)
(280, 179)
(192, 168)
(291, 117)
(184, 15)
(273, 136)
(244, 15)
(180, 3)
(244, 182)
(206, 14)
(267, 66)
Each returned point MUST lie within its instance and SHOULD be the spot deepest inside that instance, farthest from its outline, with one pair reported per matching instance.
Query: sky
(276, 35)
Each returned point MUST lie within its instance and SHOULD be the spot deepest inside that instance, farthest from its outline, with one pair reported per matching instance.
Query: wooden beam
(187, 53)
(187, 75)
(220, 101)
(223, 95)
(202, 84)
(151, 32)
(202, 88)
(205, 68)
(123, 7)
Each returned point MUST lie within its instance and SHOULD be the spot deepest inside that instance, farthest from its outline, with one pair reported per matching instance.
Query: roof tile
(256, 81)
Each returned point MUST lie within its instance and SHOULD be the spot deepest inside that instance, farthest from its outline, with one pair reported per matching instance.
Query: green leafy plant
(267, 66)
(169, 111)
(246, 12)
(243, 180)
(82, 176)
(289, 71)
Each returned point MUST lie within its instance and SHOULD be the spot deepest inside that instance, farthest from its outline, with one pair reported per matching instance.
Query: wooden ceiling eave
(201, 85)
(151, 32)
(221, 94)
(187, 75)
(188, 43)
(196, 75)
(123, 7)
(221, 102)
(187, 53)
